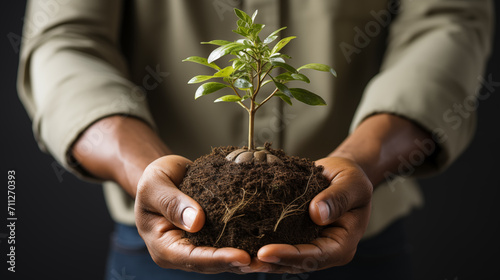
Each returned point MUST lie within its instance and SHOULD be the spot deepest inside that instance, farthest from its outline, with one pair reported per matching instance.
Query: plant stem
(251, 116)
(253, 108)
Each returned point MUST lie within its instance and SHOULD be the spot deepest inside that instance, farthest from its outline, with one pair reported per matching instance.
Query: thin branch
(257, 88)
(239, 102)
(267, 73)
(244, 51)
(243, 105)
(253, 67)
(235, 91)
(267, 98)
(253, 76)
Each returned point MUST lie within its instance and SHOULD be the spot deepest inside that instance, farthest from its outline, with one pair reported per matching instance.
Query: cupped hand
(344, 207)
(162, 211)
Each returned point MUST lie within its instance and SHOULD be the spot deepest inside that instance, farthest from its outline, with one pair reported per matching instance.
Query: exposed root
(229, 215)
(293, 209)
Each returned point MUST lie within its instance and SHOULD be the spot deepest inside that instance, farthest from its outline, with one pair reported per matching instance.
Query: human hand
(344, 207)
(162, 211)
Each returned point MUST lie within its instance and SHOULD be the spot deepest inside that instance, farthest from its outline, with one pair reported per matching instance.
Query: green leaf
(318, 67)
(226, 72)
(265, 68)
(217, 42)
(273, 36)
(238, 64)
(228, 98)
(208, 88)
(242, 83)
(242, 15)
(223, 50)
(242, 23)
(284, 89)
(202, 61)
(265, 83)
(300, 77)
(270, 39)
(245, 30)
(199, 79)
(241, 32)
(282, 43)
(259, 42)
(307, 97)
(246, 42)
(284, 98)
(282, 55)
(254, 15)
(284, 77)
(256, 29)
(285, 66)
(277, 59)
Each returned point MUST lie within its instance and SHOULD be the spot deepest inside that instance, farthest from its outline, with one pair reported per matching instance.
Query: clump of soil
(249, 205)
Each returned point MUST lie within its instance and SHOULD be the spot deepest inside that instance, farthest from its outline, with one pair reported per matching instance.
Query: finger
(302, 257)
(335, 247)
(174, 167)
(173, 251)
(169, 249)
(259, 266)
(349, 189)
(158, 193)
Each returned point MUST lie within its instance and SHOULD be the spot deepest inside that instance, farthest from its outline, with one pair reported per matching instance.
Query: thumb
(183, 211)
(158, 193)
(349, 189)
(329, 205)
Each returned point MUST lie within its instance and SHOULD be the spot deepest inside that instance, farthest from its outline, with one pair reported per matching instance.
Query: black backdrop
(63, 227)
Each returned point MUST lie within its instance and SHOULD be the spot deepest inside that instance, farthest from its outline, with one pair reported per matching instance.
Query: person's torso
(348, 35)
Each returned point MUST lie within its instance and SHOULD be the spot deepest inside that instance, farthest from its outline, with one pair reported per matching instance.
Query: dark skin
(131, 154)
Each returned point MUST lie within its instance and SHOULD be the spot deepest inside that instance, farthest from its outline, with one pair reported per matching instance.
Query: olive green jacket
(420, 59)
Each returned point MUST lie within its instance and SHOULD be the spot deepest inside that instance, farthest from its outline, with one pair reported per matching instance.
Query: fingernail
(188, 217)
(269, 259)
(324, 211)
(247, 269)
(236, 263)
(263, 268)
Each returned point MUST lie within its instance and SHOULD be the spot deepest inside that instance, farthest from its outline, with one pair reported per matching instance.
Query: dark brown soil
(249, 205)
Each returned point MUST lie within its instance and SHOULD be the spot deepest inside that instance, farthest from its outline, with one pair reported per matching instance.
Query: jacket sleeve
(432, 70)
(72, 72)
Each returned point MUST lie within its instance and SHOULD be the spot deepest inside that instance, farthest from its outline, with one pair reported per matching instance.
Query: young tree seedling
(250, 73)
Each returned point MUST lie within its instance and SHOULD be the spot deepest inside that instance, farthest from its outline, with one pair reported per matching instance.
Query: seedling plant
(251, 71)
(251, 205)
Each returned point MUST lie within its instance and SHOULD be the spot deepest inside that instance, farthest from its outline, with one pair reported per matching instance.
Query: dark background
(63, 226)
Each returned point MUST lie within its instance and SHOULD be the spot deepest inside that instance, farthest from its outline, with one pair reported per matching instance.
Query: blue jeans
(385, 256)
